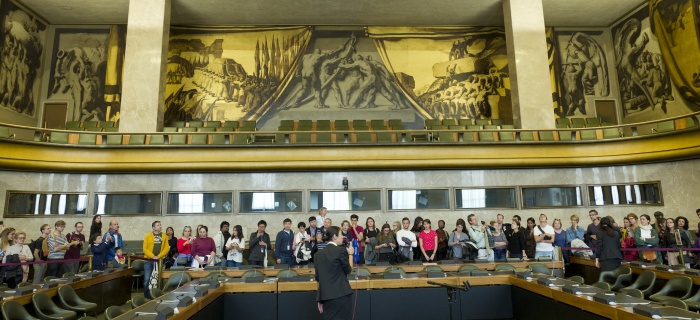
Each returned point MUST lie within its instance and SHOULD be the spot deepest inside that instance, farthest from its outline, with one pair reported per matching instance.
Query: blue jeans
(368, 262)
(147, 271)
(499, 254)
(232, 264)
(222, 262)
(515, 255)
(287, 260)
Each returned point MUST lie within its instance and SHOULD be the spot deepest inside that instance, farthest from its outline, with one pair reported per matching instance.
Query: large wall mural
(676, 25)
(270, 74)
(229, 74)
(342, 76)
(646, 92)
(20, 59)
(583, 72)
(458, 72)
(86, 67)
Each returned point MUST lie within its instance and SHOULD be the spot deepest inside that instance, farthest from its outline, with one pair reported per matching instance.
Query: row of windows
(521, 197)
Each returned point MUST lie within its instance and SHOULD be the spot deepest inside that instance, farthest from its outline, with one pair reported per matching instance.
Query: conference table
(302, 270)
(411, 297)
(109, 288)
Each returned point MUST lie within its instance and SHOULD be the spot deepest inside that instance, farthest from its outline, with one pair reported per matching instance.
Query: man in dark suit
(332, 266)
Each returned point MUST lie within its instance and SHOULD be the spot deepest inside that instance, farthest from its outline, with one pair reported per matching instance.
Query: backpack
(45, 247)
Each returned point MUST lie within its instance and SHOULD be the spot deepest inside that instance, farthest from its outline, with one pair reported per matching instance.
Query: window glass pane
(200, 202)
(419, 199)
(485, 198)
(626, 194)
(363, 200)
(128, 203)
(24, 203)
(290, 201)
(551, 197)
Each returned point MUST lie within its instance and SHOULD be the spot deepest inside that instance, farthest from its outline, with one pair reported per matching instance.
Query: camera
(547, 238)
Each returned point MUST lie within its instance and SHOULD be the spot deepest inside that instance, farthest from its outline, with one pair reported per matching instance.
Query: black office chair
(504, 267)
(176, 280)
(138, 301)
(644, 283)
(47, 310)
(577, 279)
(252, 273)
(468, 267)
(616, 278)
(155, 292)
(114, 311)
(433, 269)
(540, 268)
(71, 301)
(13, 310)
(673, 302)
(287, 273)
(602, 285)
(138, 266)
(678, 287)
(633, 293)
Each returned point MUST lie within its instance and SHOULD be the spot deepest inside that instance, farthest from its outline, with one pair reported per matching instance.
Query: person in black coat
(332, 265)
(608, 256)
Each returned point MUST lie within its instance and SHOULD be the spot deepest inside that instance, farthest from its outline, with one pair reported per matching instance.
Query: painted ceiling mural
(21, 53)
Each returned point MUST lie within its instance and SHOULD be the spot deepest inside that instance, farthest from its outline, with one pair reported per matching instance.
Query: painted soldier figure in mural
(311, 85)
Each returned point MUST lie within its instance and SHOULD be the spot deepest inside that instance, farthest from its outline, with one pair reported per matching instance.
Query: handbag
(649, 255)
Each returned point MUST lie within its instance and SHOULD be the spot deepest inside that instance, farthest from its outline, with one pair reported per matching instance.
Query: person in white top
(321, 217)
(25, 254)
(478, 235)
(406, 248)
(235, 246)
(220, 241)
(302, 242)
(544, 236)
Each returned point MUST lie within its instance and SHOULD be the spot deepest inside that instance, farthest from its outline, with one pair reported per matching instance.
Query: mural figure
(318, 70)
(584, 73)
(676, 25)
(20, 59)
(471, 83)
(643, 78)
(80, 72)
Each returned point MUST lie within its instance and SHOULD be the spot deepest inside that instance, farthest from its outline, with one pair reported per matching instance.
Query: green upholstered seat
(195, 124)
(213, 124)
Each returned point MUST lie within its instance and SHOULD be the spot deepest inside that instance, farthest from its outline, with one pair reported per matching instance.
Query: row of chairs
(578, 122)
(245, 125)
(330, 137)
(70, 125)
(70, 306)
(491, 136)
(340, 125)
(429, 123)
(676, 292)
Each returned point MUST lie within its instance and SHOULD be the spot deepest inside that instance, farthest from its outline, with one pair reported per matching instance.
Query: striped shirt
(56, 241)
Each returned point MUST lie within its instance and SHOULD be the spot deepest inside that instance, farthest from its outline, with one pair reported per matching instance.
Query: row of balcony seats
(577, 123)
(211, 126)
(330, 137)
(92, 126)
(441, 124)
(340, 125)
